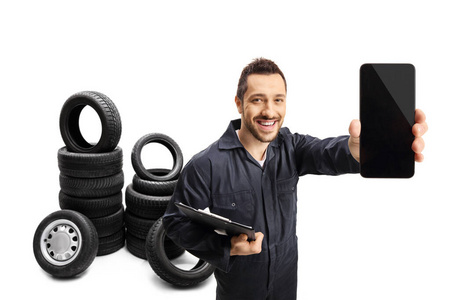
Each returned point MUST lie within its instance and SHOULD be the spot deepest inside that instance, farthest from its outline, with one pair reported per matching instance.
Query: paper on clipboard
(218, 223)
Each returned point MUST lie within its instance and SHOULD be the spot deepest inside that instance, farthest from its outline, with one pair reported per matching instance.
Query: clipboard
(216, 221)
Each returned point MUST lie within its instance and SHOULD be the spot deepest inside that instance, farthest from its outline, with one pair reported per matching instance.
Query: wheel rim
(61, 242)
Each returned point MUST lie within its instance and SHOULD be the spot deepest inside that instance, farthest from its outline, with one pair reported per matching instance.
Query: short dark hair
(257, 66)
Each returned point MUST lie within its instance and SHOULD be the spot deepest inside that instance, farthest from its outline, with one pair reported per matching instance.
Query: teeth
(267, 123)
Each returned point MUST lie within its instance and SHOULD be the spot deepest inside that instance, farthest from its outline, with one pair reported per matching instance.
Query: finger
(419, 129)
(257, 243)
(355, 128)
(419, 116)
(243, 237)
(419, 157)
(259, 236)
(418, 145)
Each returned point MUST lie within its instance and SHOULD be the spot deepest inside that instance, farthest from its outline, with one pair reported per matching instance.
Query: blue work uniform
(228, 180)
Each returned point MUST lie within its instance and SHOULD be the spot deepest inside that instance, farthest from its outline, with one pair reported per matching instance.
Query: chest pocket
(238, 206)
(287, 196)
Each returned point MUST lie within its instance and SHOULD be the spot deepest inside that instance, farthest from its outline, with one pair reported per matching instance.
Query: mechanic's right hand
(240, 245)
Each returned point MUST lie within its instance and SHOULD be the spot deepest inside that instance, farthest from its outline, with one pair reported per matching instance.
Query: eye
(256, 100)
(279, 100)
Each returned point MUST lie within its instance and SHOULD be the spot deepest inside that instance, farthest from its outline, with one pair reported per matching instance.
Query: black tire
(110, 224)
(155, 188)
(109, 117)
(65, 243)
(91, 187)
(145, 206)
(92, 207)
(112, 243)
(90, 165)
(160, 263)
(172, 250)
(137, 226)
(164, 140)
(136, 246)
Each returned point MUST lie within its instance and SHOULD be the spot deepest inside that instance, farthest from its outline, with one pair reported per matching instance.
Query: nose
(268, 111)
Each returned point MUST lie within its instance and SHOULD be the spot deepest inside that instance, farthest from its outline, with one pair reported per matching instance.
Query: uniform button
(293, 188)
(233, 204)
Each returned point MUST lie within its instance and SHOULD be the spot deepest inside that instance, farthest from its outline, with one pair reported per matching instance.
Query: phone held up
(387, 108)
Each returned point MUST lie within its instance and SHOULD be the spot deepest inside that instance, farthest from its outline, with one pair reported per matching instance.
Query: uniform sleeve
(193, 190)
(329, 156)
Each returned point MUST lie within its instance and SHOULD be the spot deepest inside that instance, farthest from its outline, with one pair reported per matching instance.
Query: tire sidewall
(87, 251)
(164, 140)
(174, 275)
(79, 101)
(76, 101)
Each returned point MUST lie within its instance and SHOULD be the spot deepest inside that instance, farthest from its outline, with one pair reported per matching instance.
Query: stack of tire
(149, 194)
(146, 200)
(91, 176)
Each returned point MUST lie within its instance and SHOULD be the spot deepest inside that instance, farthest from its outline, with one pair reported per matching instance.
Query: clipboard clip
(207, 212)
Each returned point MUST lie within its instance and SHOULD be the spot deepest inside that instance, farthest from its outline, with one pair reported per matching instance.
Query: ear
(238, 104)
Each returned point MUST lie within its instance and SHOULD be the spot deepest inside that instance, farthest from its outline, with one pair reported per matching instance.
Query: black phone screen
(387, 107)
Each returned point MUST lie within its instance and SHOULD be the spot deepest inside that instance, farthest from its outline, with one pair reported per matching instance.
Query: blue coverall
(228, 180)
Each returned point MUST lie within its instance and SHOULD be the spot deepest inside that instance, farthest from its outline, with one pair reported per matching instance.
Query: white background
(172, 67)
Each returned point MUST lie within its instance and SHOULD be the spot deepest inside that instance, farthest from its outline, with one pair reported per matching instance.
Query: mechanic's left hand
(419, 129)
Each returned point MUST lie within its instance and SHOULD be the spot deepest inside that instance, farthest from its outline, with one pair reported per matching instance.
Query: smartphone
(387, 109)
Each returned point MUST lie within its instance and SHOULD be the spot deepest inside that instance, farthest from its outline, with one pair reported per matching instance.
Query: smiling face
(263, 107)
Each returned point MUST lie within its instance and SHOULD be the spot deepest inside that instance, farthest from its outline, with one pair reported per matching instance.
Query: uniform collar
(229, 139)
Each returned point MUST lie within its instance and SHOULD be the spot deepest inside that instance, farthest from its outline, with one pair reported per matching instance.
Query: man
(250, 176)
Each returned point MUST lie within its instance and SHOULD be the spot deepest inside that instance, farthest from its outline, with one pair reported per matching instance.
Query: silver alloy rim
(61, 242)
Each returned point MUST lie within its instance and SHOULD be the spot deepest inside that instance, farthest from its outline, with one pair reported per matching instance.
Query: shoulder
(200, 163)
(289, 138)
(284, 132)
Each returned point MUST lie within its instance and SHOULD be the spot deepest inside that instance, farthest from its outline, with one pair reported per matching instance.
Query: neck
(255, 147)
